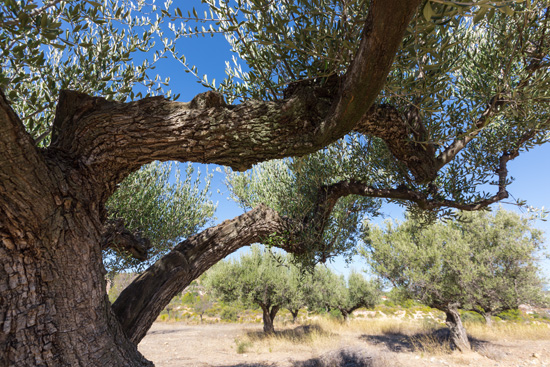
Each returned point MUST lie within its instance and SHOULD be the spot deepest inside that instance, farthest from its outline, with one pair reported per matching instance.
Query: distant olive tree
(333, 292)
(480, 262)
(256, 278)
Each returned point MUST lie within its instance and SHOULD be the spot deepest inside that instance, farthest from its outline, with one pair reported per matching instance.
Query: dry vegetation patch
(358, 343)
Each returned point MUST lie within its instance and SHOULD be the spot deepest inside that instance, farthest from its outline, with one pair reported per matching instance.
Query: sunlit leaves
(481, 261)
(83, 45)
(293, 187)
(163, 205)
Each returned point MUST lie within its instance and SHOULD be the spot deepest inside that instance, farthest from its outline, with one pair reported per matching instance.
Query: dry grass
(423, 337)
(288, 339)
(509, 330)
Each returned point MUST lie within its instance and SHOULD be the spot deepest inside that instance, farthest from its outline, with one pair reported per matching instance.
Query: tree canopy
(257, 278)
(481, 262)
(332, 292)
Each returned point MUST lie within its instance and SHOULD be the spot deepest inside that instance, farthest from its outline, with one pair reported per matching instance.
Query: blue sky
(531, 170)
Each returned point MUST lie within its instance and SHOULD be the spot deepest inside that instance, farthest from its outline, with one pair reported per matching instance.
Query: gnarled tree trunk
(294, 314)
(459, 338)
(268, 314)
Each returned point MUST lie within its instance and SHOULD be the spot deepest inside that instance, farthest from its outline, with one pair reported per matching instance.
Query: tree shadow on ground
(298, 334)
(168, 331)
(436, 341)
(346, 357)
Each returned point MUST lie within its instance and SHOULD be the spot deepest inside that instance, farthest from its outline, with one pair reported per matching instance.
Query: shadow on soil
(431, 342)
(170, 331)
(338, 358)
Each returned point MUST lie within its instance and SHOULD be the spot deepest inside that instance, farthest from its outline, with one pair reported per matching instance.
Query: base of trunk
(459, 338)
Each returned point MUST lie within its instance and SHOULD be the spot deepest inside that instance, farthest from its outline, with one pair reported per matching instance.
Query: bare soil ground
(244, 345)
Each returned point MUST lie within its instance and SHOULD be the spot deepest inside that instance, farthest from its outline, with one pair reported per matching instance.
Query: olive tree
(256, 278)
(333, 292)
(432, 90)
(480, 262)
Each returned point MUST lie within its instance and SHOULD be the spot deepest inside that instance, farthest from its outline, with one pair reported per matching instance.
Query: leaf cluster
(162, 205)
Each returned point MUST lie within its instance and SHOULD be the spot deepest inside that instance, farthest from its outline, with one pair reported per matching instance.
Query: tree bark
(294, 314)
(459, 338)
(345, 313)
(488, 319)
(269, 312)
(54, 310)
(139, 304)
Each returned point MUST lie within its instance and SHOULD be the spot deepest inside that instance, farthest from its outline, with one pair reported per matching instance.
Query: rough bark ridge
(459, 338)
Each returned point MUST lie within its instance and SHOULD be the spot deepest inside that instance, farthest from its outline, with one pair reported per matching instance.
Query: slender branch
(331, 194)
(458, 144)
(32, 14)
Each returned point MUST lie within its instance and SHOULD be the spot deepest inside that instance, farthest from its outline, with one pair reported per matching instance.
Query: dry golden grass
(294, 338)
(509, 330)
(424, 337)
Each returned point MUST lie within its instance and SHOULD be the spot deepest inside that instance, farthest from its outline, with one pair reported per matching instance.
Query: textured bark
(488, 319)
(140, 303)
(119, 238)
(459, 338)
(53, 305)
(268, 314)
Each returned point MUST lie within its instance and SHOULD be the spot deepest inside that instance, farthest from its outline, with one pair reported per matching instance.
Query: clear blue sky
(531, 170)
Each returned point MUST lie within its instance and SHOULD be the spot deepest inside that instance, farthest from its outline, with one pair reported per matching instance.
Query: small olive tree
(333, 292)
(257, 277)
(479, 261)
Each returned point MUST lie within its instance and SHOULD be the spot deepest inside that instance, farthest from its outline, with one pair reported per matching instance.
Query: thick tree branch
(115, 138)
(139, 304)
(23, 172)
(382, 36)
(386, 123)
(119, 238)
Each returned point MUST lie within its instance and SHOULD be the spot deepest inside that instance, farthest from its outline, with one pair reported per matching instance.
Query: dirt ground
(182, 345)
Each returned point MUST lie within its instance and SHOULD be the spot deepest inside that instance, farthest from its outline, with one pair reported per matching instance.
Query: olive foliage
(473, 73)
(161, 204)
(260, 278)
(481, 262)
(291, 187)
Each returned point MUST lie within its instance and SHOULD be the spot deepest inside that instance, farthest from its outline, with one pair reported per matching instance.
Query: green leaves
(293, 187)
(257, 277)
(482, 261)
(159, 210)
(82, 45)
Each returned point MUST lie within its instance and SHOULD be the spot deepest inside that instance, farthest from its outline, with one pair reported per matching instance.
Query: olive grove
(432, 100)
